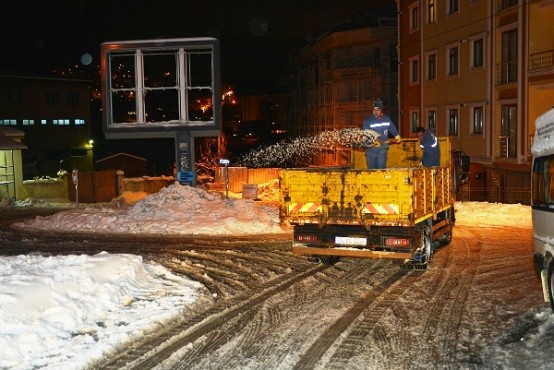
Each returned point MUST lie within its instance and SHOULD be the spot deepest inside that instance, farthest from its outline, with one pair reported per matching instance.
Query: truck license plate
(348, 240)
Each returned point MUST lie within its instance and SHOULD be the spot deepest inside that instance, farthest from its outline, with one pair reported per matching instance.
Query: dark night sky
(257, 37)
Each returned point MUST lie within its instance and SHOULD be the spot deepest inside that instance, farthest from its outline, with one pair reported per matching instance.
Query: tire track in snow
(204, 326)
(370, 301)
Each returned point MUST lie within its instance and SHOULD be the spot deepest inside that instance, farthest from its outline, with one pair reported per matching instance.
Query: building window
(431, 66)
(79, 121)
(477, 121)
(505, 4)
(414, 120)
(8, 122)
(432, 119)
(43, 122)
(452, 128)
(52, 97)
(477, 53)
(453, 6)
(431, 11)
(452, 61)
(28, 122)
(414, 17)
(508, 131)
(414, 70)
(72, 98)
(60, 122)
(508, 67)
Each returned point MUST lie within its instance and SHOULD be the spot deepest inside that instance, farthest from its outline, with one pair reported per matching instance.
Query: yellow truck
(402, 212)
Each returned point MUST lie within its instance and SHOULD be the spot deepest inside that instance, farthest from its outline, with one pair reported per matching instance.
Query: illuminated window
(43, 122)
(8, 122)
(431, 11)
(79, 121)
(60, 122)
(28, 122)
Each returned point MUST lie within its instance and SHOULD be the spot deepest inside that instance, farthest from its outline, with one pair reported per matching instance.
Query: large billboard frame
(157, 88)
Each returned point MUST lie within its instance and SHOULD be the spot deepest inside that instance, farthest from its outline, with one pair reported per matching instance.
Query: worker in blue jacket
(376, 153)
(429, 146)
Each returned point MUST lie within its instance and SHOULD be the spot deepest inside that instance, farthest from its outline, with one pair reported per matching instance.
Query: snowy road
(479, 306)
(470, 310)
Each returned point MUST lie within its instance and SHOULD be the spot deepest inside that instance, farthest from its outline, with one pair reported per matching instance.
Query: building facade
(480, 72)
(55, 116)
(335, 80)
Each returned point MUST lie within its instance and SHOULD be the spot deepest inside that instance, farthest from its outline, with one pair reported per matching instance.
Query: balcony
(541, 61)
(506, 147)
(506, 72)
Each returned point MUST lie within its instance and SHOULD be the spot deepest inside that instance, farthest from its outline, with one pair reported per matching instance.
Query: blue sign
(185, 177)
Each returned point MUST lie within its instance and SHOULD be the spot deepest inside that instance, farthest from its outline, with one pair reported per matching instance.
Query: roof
(121, 155)
(11, 132)
(7, 143)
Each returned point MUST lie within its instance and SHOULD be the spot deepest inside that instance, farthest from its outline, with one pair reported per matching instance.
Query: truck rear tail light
(397, 242)
(307, 238)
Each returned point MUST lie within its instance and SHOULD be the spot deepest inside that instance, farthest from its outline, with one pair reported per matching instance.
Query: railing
(506, 146)
(506, 72)
(541, 60)
(497, 195)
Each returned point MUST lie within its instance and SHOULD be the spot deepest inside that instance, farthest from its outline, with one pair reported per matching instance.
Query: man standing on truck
(429, 146)
(376, 154)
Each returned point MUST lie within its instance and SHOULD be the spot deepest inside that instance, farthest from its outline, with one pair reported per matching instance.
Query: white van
(542, 202)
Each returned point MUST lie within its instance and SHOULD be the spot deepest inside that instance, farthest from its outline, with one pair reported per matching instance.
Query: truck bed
(390, 197)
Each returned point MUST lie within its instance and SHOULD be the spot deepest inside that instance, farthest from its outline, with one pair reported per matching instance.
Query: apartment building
(335, 80)
(54, 115)
(480, 72)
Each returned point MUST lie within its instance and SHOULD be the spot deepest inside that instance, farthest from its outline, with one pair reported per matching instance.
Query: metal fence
(498, 195)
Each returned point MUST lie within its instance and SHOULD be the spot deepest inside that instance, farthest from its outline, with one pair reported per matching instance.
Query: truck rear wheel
(427, 248)
(329, 260)
(550, 281)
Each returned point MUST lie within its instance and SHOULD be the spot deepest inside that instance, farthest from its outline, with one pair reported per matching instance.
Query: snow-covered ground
(85, 306)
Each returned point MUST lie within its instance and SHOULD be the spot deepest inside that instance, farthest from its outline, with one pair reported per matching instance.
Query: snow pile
(492, 214)
(175, 210)
(63, 311)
